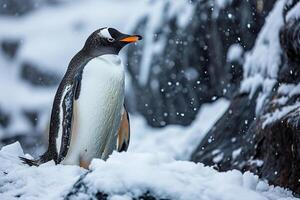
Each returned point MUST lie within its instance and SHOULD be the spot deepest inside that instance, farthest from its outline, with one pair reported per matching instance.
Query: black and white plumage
(88, 118)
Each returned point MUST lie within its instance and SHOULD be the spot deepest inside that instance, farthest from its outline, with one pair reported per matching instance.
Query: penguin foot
(83, 163)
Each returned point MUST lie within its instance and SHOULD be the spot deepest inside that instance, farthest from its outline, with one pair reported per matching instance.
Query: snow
(222, 3)
(150, 45)
(153, 163)
(286, 91)
(183, 10)
(157, 14)
(219, 5)
(218, 158)
(278, 114)
(262, 65)
(33, 182)
(262, 62)
(169, 139)
(256, 162)
(294, 12)
(236, 153)
(129, 174)
(235, 53)
(289, 90)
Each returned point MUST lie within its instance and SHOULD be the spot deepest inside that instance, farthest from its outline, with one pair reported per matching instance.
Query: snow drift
(126, 176)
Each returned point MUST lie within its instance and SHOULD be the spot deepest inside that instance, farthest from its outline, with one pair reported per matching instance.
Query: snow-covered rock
(126, 176)
(191, 55)
(263, 119)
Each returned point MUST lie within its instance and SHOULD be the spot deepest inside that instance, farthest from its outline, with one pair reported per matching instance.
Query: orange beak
(130, 39)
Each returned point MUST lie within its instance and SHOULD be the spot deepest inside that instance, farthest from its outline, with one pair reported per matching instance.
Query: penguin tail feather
(29, 161)
(47, 156)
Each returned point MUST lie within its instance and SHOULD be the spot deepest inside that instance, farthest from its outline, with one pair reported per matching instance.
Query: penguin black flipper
(68, 105)
(67, 108)
(77, 83)
(124, 132)
(64, 97)
(51, 153)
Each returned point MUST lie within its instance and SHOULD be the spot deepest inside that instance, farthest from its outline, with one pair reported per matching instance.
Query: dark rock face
(231, 130)
(4, 119)
(10, 47)
(192, 67)
(36, 77)
(81, 190)
(268, 143)
(32, 117)
(15, 7)
(289, 39)
(278, 147)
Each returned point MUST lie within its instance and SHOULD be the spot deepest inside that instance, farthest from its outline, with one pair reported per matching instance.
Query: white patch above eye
(105, 33)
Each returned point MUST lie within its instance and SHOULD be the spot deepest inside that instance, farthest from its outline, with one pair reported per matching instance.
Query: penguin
(88, 118)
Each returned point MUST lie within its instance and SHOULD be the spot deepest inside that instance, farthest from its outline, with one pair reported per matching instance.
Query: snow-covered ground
(153, 163)
(177, 141)
(128, 174)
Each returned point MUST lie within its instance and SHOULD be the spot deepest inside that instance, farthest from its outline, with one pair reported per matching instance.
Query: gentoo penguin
(88, 118)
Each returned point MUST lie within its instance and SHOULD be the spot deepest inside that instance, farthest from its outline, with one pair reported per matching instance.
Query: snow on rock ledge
(262, 63)
(128, 175)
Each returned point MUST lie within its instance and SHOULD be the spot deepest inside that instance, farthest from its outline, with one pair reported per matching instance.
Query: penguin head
(108, 41)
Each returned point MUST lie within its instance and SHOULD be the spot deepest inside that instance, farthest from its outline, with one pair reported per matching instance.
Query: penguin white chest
(97, 111)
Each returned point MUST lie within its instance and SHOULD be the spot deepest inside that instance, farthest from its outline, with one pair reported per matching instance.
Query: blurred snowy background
(207, 83)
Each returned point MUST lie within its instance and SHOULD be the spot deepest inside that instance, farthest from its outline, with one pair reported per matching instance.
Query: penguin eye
(111, 39)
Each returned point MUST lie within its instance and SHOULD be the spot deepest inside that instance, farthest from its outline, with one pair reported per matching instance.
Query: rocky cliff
(192, 54)
(260, 130)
